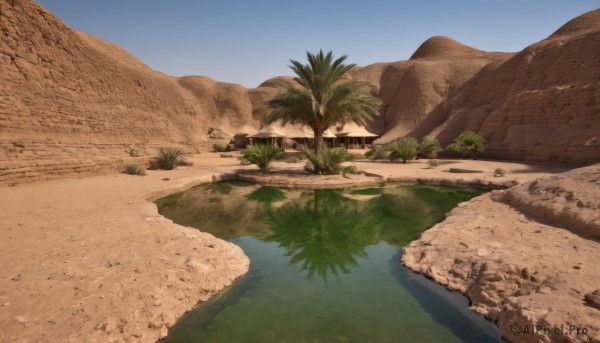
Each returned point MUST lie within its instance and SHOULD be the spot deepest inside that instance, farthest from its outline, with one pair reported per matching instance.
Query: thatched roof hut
(355, 136)
(354, 130)
(268, 131)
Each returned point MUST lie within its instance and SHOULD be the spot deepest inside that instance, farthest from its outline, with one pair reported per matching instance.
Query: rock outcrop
(411, 90)
(523, 265)
(542, 104)
(71, 103)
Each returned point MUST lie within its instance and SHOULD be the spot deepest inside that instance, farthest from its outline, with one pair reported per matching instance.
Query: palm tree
(320, 98)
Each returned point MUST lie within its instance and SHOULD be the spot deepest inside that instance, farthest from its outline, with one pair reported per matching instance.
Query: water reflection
(322, 231)
(299, 241)
(218, 187)
(266, 195)
(324, 235)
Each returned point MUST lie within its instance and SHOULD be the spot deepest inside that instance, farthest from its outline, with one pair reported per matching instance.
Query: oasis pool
(325, 266)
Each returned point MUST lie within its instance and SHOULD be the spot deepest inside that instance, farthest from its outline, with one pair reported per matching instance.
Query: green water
(325, 266)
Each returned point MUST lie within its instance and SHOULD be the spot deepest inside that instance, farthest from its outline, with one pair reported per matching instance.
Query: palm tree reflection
(266, 195)
(325, 234)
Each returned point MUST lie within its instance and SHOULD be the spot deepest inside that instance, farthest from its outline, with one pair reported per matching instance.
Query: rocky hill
(542, 104)
(411, 90)
(71, 103)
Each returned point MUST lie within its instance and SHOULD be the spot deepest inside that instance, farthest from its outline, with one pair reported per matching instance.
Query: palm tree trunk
(318, 147)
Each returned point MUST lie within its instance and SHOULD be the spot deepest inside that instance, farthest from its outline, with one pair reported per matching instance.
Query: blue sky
(249, 41)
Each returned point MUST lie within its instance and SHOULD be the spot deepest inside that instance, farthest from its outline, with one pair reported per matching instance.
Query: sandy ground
(91, 260)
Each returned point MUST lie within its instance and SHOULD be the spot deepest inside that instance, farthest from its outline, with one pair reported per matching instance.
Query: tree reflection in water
(266, 195)
(325, 234)
(323, 231)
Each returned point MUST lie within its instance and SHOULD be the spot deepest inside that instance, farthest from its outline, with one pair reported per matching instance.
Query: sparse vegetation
(405, 148)
(221, 148)
(133, 169)
(428, 148)
(168, 158)
(262, 155)
(330, 160)
(499, 172)
(349, 170)
(468, 144)
(377, 152)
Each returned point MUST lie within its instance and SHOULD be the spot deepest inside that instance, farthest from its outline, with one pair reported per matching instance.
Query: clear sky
(249, 41)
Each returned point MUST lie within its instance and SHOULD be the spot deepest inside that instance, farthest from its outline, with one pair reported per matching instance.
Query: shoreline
(183, 269)
(517, 268)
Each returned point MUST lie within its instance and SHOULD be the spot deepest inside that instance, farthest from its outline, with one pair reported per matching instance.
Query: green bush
(405, 148)
(349, 170)
(133, 169)
(499, 172)
(168, 158)
(377, 152)
(468, 144)
(221, 148)
(330, 160)
(262, 155)
(428, 148)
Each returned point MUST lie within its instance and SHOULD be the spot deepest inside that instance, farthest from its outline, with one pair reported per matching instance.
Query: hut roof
(354, 130)
(294, 131)
(328, 134)
(268, 131)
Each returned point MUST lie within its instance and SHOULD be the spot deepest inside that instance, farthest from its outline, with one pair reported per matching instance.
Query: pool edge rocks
(518, 269)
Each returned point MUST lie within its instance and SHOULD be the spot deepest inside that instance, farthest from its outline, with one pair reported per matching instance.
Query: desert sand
(91, 259)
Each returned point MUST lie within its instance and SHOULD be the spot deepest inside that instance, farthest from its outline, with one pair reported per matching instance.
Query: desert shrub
(133, 169)
(168, 158)
(349, 170)
(330, 160)
(262, 155)
(405, 149)
(221, 148)
(468, 144)
(377, 152)
(499, 172)
(428, 148)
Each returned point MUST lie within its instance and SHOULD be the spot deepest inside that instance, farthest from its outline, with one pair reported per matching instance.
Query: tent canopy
(294, 131)
(328, 134)
(275, 130)
(354, 130)
(268, 131)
